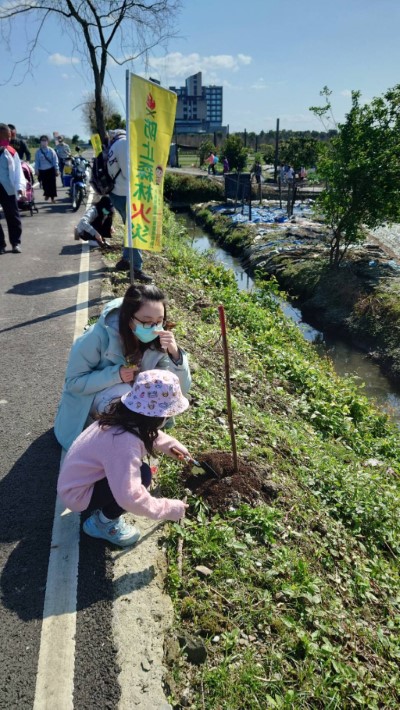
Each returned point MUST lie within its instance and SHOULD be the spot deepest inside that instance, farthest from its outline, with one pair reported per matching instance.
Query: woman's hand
(168, 343)
(127, 374)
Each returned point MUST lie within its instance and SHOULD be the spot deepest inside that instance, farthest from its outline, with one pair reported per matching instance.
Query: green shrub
(185, 188)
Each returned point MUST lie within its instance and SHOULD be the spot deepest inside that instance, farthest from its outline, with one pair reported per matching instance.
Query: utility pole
(276, 150)
(176, 149)
(245, 138)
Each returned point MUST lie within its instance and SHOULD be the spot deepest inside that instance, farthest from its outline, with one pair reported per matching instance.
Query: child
(103, 470)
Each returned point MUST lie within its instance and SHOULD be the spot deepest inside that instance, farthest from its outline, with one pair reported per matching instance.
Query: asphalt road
(37, 321)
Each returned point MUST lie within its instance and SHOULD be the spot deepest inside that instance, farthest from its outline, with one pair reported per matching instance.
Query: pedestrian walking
(225, 165)
(257, 172)
(63, 154)
(12, 186)
(19, 144)
(104, 471)
(132, 335)
(118, 169)
(46, 167)
(211, 163)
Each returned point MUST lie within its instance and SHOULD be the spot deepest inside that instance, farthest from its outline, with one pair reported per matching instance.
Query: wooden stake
(228, 386)
(180, 543)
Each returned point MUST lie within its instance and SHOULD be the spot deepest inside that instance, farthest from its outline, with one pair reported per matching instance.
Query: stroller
(27, 202)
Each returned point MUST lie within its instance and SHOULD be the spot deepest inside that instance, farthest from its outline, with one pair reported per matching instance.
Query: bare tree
(119, 31)
(112, 118)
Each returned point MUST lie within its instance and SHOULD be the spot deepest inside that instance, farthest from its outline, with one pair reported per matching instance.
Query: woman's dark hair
(44, 138)
(134, 298)
(146, 428)
(105, 204)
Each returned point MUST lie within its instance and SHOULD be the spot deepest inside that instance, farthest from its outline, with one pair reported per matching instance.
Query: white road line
(55, 674)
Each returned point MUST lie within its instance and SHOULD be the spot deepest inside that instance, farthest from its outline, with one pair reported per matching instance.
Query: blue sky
(271, 56)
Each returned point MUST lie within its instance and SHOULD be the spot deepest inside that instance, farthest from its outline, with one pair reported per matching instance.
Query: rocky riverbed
(359, 301)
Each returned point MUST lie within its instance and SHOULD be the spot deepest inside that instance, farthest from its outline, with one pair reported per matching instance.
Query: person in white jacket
(12, 184)
(117, 165)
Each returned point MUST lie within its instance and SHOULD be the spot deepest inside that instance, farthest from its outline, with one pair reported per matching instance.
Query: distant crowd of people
(16, 176)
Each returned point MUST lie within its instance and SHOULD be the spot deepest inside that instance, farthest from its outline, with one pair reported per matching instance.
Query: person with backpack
(211, 163)
(12, 184)
(46, 167)
(96, 223)
(117, 168)
(19, 144)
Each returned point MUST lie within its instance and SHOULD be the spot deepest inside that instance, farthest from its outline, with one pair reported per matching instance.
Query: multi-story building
(199, 108)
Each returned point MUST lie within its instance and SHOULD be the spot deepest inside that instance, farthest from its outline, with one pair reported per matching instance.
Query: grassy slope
(302, 607)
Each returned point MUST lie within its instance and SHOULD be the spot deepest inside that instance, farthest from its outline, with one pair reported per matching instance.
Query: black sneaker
(141, 276)
(122, 265)
(16, 249)
(2, 250)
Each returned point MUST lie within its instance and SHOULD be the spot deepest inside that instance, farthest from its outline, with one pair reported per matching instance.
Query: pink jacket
(102, 453)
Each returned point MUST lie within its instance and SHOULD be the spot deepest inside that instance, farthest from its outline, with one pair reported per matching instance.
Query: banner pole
(128, 181)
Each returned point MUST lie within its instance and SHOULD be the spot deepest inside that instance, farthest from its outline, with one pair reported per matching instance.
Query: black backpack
(101, 180)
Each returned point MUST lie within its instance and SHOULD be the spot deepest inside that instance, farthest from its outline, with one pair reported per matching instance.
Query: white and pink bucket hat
(156, 393)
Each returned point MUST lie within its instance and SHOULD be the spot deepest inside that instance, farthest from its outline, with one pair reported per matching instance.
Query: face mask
(146, 335)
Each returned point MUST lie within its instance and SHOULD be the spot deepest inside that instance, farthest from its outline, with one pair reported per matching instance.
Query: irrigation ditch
(350, 356)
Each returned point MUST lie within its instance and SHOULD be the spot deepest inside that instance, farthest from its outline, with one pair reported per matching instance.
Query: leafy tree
(268, 153)
(205, 148)
(299, 151)
(235, 152)
(361, 168)
(75, 138)
(115, 121)
(117, 30)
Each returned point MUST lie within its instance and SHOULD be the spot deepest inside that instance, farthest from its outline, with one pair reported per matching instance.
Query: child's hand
(180, 452)
(127, 374)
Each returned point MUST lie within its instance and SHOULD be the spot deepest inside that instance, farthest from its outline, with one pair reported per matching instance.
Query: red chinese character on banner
(140, 212)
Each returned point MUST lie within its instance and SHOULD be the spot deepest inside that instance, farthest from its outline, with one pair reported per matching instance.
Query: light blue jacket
(45, 158)
(93, 366)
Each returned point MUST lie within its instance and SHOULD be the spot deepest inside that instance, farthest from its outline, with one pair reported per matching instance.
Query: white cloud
(40, 109)
(345, 92)
(244, 58)
(177, 65)
(60, 59)
(65, 76)
(259, 84)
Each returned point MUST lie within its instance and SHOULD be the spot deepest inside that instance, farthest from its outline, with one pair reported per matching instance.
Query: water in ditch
(347, 360)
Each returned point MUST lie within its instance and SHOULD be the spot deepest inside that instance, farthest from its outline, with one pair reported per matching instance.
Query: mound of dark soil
(226, 487)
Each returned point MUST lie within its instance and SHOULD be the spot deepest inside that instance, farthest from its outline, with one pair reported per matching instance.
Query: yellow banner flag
(151, 117)
(96, 144)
